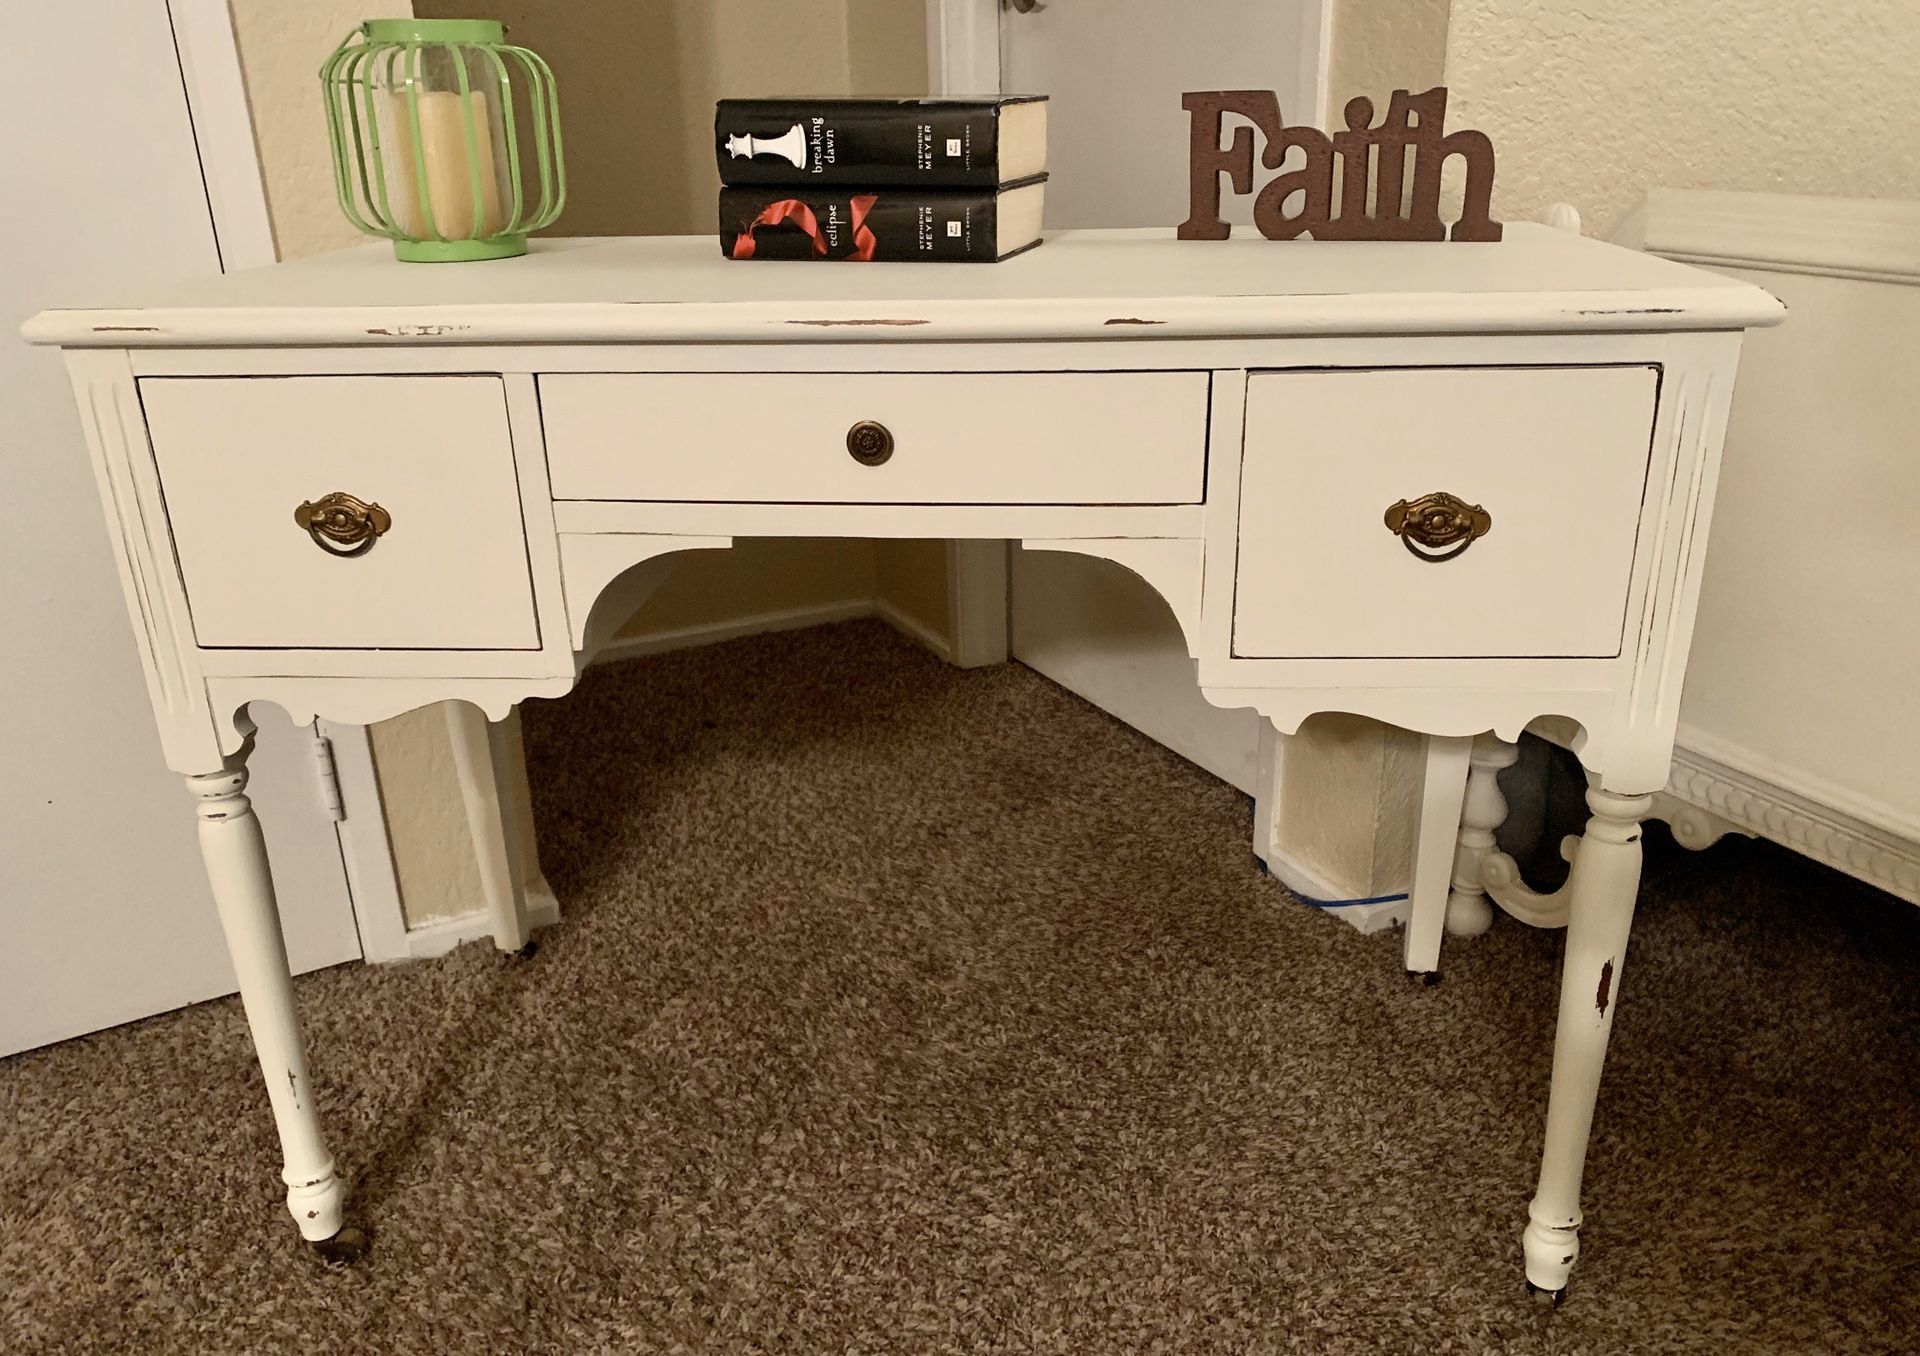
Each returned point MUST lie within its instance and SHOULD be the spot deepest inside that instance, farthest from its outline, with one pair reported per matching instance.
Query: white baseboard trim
(444, 934)
(784, 619)
(440, 936)
(914, 629)
(1706, 799)
(1303, 880)
(712, 633)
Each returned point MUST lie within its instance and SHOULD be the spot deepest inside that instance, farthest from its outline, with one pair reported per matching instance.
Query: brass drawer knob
(869, 443)
(341, 524)
(1437, 526)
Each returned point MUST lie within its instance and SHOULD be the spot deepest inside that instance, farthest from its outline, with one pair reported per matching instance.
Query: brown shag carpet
(899, 1009)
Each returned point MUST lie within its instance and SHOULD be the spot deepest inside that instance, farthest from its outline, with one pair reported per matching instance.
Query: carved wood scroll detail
(1345, 161)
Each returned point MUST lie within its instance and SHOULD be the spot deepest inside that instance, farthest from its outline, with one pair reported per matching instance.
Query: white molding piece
(915, 630)
(963, 46)
(977, 605)
(222, 121)
(589, 563)
(712, 633)
(1170, 566)
(1746, 804)
(1316, 61)
(1703, 747)
(1860, 238)
(442, 935)
(1705, 799)
(1304, 880)
(366, 849)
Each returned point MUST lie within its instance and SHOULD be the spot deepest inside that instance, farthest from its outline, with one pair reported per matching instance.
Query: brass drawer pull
(1433, 523)
(869, 443)
(342, 525)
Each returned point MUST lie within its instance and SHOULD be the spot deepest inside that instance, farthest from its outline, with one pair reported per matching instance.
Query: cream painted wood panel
(959, 437)
(1110, 286)
(1101, 632)
(1557, 456)
(1533, 401)
(238, 454)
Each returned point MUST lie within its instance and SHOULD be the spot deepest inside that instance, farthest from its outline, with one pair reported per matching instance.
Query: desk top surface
(1078, 285)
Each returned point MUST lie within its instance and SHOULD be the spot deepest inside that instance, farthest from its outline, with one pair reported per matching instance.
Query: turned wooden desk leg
(236, 857)
(1469, 913)
(1602, 889)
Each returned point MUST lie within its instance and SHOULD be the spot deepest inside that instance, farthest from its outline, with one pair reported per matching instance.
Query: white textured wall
(1595, 103)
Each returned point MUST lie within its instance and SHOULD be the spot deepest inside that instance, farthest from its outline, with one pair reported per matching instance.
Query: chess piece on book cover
(878, 143)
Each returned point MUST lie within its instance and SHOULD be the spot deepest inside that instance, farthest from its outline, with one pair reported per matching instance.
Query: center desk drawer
(808, 437)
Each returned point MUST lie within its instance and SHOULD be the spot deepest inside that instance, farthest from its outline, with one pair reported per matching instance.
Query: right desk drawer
(1440, 512)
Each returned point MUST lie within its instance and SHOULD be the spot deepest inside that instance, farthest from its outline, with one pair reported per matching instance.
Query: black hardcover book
(882, 225)
(883, 142)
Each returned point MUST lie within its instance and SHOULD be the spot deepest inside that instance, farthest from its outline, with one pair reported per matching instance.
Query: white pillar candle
(443, 151)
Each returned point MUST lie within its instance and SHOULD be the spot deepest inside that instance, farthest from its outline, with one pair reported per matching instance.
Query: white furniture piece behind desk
(492, 445)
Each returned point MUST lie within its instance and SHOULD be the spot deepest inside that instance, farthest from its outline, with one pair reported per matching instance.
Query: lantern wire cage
(429, 146)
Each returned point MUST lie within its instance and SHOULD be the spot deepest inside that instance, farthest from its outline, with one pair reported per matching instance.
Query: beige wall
(1594, 104)
(1383, 45)
(638, 84)
(911, 577)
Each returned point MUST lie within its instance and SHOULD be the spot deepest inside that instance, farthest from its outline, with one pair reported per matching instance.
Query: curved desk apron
(1454, 487)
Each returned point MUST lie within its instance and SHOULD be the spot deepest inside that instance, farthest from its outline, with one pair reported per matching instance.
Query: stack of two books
(940, 180)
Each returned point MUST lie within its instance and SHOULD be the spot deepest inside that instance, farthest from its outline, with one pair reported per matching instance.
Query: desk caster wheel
(1541, 1295)
(344, 1249)
(525, 953)
(1426, 979)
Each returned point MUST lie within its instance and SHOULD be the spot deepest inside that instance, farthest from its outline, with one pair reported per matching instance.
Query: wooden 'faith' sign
(1414, 122)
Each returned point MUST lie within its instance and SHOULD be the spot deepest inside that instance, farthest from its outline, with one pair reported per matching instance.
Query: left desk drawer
(344, 512)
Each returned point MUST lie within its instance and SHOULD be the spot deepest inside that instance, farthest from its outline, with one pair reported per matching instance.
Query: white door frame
(963, 51)
(222, 121)
(963, 57)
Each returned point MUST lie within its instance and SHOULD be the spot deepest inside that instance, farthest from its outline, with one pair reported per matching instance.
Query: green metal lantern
(446, 140)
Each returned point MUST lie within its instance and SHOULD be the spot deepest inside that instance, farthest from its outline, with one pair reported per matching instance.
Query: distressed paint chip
(1604, 995)
(824, 324)
(417, 331)
(1132, 320)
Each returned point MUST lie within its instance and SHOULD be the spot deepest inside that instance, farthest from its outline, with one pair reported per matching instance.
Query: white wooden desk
(1232, 421)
